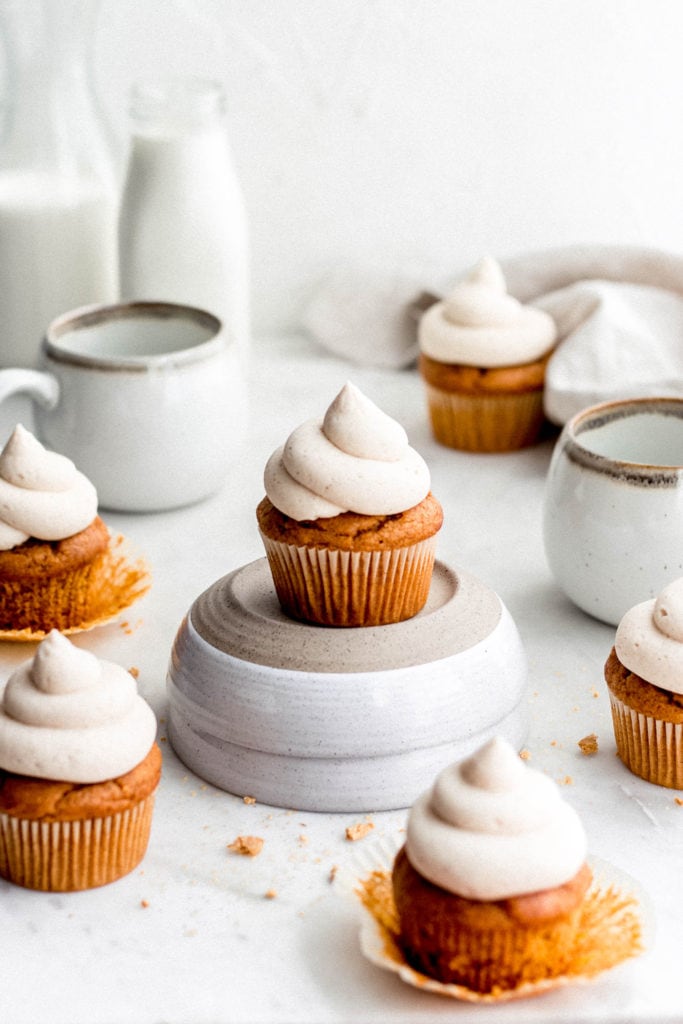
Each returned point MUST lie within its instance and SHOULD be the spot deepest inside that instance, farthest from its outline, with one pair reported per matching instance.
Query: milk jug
(182, 225)
(58, 197)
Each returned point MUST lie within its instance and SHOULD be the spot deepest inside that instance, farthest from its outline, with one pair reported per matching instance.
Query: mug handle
(42, 387)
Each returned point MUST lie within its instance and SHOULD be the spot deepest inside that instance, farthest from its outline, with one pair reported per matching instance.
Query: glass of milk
(58, 200)
(183, 226)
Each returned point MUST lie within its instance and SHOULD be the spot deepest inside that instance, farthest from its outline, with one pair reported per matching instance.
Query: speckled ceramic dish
(324, 719)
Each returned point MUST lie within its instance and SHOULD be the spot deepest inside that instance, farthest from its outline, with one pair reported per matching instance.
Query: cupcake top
(649, 639)
(491, 828)
(479, 324)
(70, 717)
(356, 459)
(42, 494)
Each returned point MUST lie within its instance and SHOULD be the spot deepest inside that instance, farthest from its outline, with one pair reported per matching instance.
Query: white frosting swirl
(649, 639)
(491, 828)
(357, 459)
(70, 717)
(42, 494)
(479, 324)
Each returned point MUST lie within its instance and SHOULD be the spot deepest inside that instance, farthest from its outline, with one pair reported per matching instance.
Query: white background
(420, 134)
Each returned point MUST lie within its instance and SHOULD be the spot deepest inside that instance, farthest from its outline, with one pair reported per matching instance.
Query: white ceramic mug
(613, 511)
(147, 399)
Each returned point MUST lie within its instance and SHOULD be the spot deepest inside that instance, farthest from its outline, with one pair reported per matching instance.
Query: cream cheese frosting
(491, 828)
(479, 324)
(356, 459)
(68, 716)
(649, 639)
(42, 494)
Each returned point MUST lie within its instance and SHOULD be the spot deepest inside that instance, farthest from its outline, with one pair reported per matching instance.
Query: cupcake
(78, 770)
(483, 357)
(348, 522)
(644, 675)
(58, 566)
(490, 884)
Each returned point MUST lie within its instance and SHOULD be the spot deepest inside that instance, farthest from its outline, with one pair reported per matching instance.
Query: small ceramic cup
(613, 510)
(147, 398)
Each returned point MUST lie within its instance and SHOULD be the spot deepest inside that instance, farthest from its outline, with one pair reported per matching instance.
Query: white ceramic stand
(323, 719)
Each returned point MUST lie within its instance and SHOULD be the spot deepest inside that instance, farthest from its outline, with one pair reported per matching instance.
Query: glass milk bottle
(58, 197)
(182, 225)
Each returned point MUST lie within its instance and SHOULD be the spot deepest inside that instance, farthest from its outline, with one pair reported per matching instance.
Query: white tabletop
(190, 936)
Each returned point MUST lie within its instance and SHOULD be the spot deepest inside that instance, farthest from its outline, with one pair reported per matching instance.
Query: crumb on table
(360, 829)
(249, 800)
(525, 754)
(270, 894)
(589, 744)
(134, 671)
(247, 846)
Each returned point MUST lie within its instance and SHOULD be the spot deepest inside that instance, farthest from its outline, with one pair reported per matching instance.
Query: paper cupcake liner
(616, 924)
(65, 856)
(485, 422)
(78, 601)
(351, 588)
(650, 748)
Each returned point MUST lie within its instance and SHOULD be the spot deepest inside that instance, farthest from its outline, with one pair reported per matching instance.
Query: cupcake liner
(496, 422)
(351, 588)
(649, 747)
(80, 600)
(66, 856)
(616, 924)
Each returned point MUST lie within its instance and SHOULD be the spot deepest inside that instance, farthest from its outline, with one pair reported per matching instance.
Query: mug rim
(620, 408)
(87, 316)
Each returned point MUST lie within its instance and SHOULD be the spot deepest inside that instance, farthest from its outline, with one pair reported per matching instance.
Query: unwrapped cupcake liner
(351, 588)
(649, 747)
(75, 601)
(616, 924)
(485, 422)
(65, 856)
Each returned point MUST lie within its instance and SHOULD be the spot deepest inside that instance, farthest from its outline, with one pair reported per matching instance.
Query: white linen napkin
(619, 312)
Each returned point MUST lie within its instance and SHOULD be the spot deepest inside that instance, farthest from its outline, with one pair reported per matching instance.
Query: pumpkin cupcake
(58, 564)
(348, 522)
(490, 885)
(483, 358)
(78, 770)
(644, 675)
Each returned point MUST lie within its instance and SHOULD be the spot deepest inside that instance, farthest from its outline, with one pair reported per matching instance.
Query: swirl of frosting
(491, 828)
(68, 716)
(42, 494)
(357, 459)
(479, 324)
(649, 639)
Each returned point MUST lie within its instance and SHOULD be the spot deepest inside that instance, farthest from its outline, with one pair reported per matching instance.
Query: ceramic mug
(146, 398)
(613, 510)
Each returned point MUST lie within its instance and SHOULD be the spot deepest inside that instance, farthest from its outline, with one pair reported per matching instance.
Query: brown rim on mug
(645, 473)
(96, 315)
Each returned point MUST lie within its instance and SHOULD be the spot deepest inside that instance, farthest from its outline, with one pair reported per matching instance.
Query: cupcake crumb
(134, 671)
(525, 754)
(144, 904)
(270, 894)
(589, 744)
(335, 868)
(249, 800)
(303, 839)
(247, 846)
(359, 830)
(567, 781)
(678, 800)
